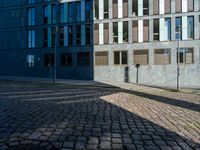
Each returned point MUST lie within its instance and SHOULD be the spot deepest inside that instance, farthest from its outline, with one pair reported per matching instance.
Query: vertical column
(140, 30)
(120, 32)
(140, 7)
(151, 56)
(196, 55)
(174, 55)
(101, 9)
(184, 5)
(65, 12)
(101, 35)
(82, 10)
(184, 27)
(110, 57)
(173, 28)
(150, 7)
(110, 9)
(82, 34)
(151, 30)
(130, 38)
(66, 36)
(49, 14)
(120, 8)
(74, 34)
(173, 6)
(196, 5)
(196, 27)
(162, 29)
(130, 57)
(49, 36)
(161, 7)
(130, 8)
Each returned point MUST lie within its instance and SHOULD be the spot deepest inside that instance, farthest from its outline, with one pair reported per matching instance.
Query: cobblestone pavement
(42, 116)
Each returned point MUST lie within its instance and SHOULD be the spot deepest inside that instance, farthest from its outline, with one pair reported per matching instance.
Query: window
(101, 58)
(115, 32)
(186, 55)
(162, 56)
(146, 30)
(120, 58)
(135, 31)
(178, 24)
(31, 38)
(115, 9)
(48, 60)
(155, 7)
(45, 14)
(78, 34)
(141, 57)
(31, 16)
(96, 9)
(167, 29)
(31, 1)
(78, 11)
(106, 33)
(62, 13)
(45, 37)
(125, 8)
(156, 29)
(106, 9)
(70, 35)
(167, 6)
(199, 27)
(54, 19)
(125, 31)
(87, 33)
(83, 59)
(178, 6)
(30, 60)
(96, 33)
(66, 59)
(61, 34)
(135, 7)
(190, 27)
(53, 36)
(87, 9)
(145, 7)
(190, 5)
(71, 12)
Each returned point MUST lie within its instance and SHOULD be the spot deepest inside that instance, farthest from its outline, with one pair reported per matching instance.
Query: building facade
(103, 40)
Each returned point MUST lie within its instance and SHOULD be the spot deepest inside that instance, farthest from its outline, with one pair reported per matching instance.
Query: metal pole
(178, 63)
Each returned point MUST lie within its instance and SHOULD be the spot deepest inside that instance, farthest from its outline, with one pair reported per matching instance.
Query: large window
(87, 9)
(87, 33)
(135, 31)
(106, 9)
(48, 60)
(178, 24)
(45, 14)
(125, 8)
(30, 60)
(146, 30)
(141, 57)
(167, 29)
(190, 5)
(31, 38)
(115, 9)
(66, 59)
(115, 32)
(190, 27)
(125, 31)
(31, 16)
(96, 9)
(145, 7)
(156, 30)
(70, 35)
(83, 59)
(135, 7)
(71, 12)
(78, 11)
(54, 19)
(61, 36)
(162, 56)
(120, 58)
(101, 58)
(186, 55)
(62, 13)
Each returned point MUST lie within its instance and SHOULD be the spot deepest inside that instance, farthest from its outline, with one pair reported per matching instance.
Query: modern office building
(102, 40)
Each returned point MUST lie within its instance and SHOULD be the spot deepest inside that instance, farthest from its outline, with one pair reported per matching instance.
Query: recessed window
(45, 37)
(61, 34)
(115, 32)
(31, 16)
(101, 58)
(31, 38)
(30, 60)
(156, 29)
(162, 56)
(83, 59)
(48, 60)
(66, 59)
(120, 58)
(141, 57)
(186, 55)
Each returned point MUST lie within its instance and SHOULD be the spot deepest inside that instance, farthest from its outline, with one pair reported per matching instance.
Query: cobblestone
(40, 116)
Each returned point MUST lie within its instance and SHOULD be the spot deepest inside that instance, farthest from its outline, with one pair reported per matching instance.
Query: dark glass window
(83, 59)
(66, 59)
(61, 31)
(45, 14)
(87, 36)
(45, 37)
(70, 35)
(48, 60)
(78, 34)
(87, 9)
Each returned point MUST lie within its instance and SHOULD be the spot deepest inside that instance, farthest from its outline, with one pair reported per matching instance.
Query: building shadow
(80, 119)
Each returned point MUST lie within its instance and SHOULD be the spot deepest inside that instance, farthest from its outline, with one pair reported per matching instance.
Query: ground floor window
(141, 57)
(66, 59)
(101, 58)
(48, 60)
(30, 60)
(120, 58)
(83, 58)
(186, 55)
(162, 56)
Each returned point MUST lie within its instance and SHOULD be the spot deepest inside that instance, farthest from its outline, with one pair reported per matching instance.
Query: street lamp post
(178, 57)
(56, 42)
